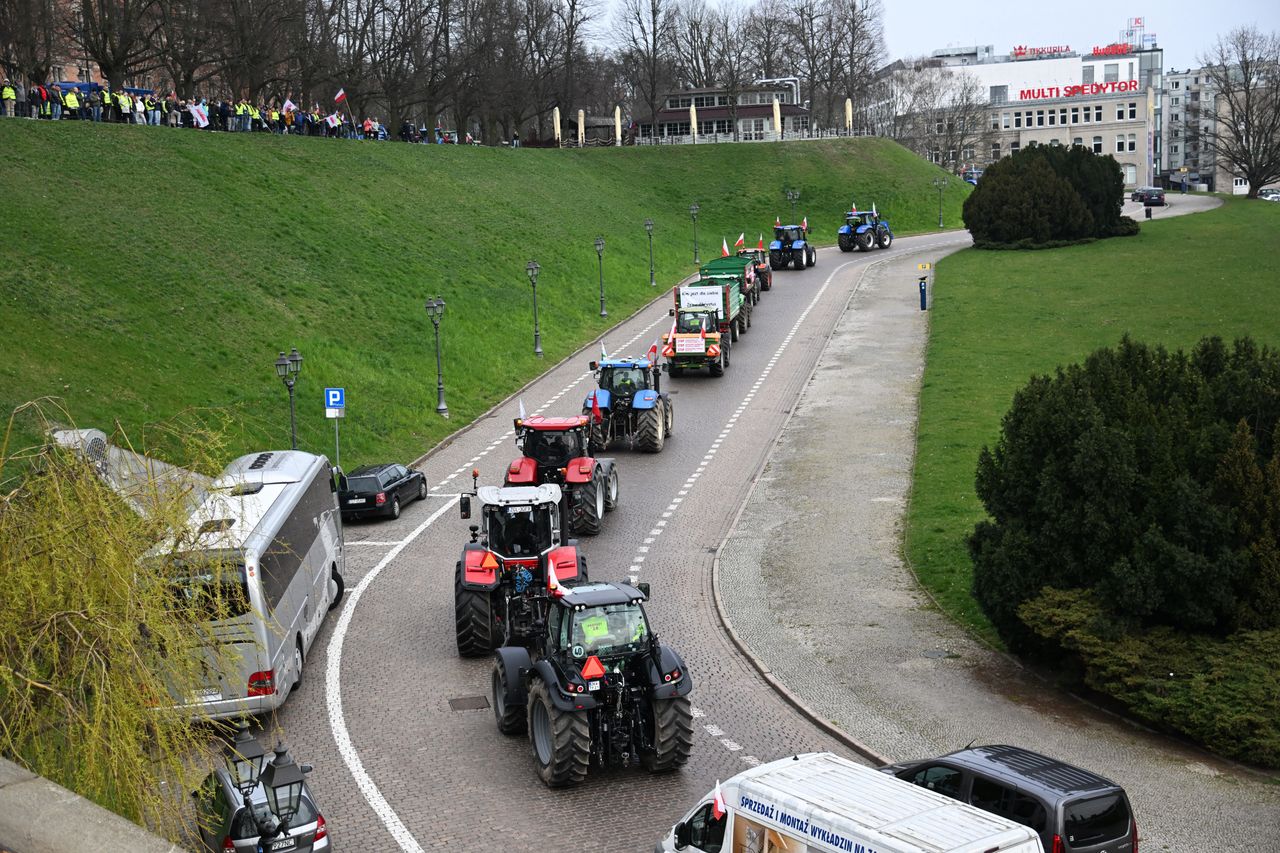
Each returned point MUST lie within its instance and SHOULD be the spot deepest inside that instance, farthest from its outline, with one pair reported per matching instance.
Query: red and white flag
(340, 97)
(873, 209)
(853, 208)
(805, 224)
(742, 240)
(289, 106)
(652, 354)
(702, 329)
(199, 114)
(760, 245)
(553, 582)
(332, 120)
(717, 803)
(724, 247)
(596, 414)
(604, 354)
(777, 221)
(522, 414)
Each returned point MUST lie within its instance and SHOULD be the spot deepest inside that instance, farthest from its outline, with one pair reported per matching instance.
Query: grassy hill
(151, 275)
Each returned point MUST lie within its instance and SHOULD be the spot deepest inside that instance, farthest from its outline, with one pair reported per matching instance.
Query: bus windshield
(211, 586)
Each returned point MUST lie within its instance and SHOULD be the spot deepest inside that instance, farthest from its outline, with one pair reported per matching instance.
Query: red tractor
(558, 451)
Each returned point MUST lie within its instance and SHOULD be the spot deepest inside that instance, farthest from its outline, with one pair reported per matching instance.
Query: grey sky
(1183, 28)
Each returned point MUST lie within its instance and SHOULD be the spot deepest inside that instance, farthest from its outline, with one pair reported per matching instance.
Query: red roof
(538, 422)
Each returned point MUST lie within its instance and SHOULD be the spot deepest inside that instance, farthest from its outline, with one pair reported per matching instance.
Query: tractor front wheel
(670, 415)
(473, 619)
(885, 239)
(650, 434)
(510, 715)
(561, 739)
(672, 733)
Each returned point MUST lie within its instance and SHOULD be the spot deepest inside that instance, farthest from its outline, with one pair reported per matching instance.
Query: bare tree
(645, 33)
(735, 60)
(694, 37)
(938, 112)
(185, 37)
(769, 39)
(1244, 69)
(574, 16)
(119, 35)
(30, 37)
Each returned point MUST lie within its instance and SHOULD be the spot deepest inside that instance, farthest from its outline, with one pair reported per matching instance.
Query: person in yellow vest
(72, 103)
(124, 104)
(8, 95)
(255, 118)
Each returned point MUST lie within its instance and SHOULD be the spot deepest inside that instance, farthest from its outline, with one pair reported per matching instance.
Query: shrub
(1047, 196)
(1146, 477)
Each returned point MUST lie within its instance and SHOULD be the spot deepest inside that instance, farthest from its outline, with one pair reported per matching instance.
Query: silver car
(229, 825)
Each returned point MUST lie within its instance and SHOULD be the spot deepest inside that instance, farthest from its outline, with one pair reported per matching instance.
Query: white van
(820, 801)
(271, 523)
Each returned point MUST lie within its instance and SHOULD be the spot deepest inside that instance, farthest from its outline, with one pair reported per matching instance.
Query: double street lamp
(600, 258)
(648, 227)
(693, 212)
(532, 269)
(941, 184)
(281, 780)
(435, 310)
(287, 368)
(793, 196)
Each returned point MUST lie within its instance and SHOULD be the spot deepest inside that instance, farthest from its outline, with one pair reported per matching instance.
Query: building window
(1119, 112)
(1097, 113)
(1054, 142)
(1130, 70)
(1039, 118)
(1173, 148)
(1133, 142)
(999, 94)
(1130, 174)
(967, 155)
(1119, 143)
(1075, 115)
(1111, 72)
(1088, 75)
(1133, 109)
(1195, 96)
(1197, 81)
(995, 151)
(1176, 100)
(1177, 84)
(1078, 141)
(1053, 118)
(1097, 145)
(995, 121)
(1017, 119)
(1014, 147)
(1004, 120)
(1062, 116)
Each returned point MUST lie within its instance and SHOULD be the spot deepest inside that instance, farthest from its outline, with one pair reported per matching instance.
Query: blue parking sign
(335, 398)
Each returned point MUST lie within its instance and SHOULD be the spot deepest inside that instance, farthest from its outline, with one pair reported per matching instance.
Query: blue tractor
(791, 246)
(628, 403)
(863, 229)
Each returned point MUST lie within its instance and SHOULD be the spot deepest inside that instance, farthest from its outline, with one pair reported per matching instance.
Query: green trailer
(740, 272)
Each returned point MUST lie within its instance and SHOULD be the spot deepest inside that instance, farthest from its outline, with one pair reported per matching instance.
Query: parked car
(1267, 194)
(228, 823)
(1139, 193)
(1153, 197)
(379, 490)
(1071, 808)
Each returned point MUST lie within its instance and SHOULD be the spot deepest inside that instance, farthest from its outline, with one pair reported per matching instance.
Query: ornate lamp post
(435, 310)
(693, 212)
(244, 758)
(600, 258)
(648, 227)
(282, 781)
(532, 269)
(793, 196)
(941, 184)
(287, 368)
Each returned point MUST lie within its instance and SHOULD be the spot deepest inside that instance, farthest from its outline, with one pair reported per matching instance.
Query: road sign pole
(337, 444)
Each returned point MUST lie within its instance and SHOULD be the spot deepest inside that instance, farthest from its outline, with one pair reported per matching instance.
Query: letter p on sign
(335, 398)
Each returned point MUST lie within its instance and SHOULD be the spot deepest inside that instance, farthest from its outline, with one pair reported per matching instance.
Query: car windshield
(518, 531)
(689, 322)
(612, 629)
(363, 484)
(209, 586)
(622, 380)
(551, 449)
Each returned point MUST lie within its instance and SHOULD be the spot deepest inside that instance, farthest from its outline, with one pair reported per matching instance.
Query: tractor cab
(519, 522)
(785, 235)
(552, 443)
(623, 379)
(692, 322)
(856, 218)
(604, 620)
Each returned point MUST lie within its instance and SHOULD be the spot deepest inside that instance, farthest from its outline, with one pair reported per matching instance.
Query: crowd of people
(92, 102)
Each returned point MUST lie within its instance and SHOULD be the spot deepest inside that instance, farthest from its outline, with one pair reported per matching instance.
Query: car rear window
(1097, 820)
(363, 484)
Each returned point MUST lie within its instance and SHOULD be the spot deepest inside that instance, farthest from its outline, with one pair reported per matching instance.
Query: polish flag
(742, 240)
(873, 209)
(332, 120)
(522, 414)
(717, 803)
(702, 330)
(777, 221)
(760, 245)
(652, 354)
(199, 114)
(596, 414)
(724, 247)
(553, 582)
(340, 97)
(854, 208)
(805, 224)
(604, 354)
(289, 106)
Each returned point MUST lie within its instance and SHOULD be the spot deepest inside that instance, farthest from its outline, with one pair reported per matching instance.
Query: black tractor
(500, 583)
(598, 689)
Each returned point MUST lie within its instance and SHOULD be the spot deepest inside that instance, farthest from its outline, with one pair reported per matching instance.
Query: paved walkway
(814, 584)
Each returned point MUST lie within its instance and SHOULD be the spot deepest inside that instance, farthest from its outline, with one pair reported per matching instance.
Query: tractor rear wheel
(473, 619)
(797, 257)
(864, 241)
(649, 430)
(510, 715)
(748, 316)
(725, 354)
(733, 328)
(672, 733)
(588, 510)
(717, 366)
(596, 433)
(669, 415)
(845, 242)
(813, 255)
(561, 739)
(775, 261)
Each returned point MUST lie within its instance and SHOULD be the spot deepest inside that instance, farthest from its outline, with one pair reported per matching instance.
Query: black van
(1074, 811)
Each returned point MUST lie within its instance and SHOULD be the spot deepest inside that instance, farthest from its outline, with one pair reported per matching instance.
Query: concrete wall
(37, 816)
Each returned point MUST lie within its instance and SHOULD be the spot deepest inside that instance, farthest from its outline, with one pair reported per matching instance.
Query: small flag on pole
(805, 224)
(199, 114)
(340, 97)
(522, 414)
(604, 354)
(652, 354)
(777, 221)
(289, 106)
(717, 803)
(596, 414)
(760, 245)
(332, 120)
(854, 208)
(724, 247)
(873, 209)
(742, 240)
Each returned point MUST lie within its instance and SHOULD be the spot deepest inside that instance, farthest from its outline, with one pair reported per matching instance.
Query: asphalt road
(399, 766)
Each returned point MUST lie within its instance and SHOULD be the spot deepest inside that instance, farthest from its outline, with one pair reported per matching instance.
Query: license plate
(355, 500)
(211, 694)
(284, 844)
(593, 686)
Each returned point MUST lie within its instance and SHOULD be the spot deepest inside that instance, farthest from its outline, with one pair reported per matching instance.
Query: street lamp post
(648, 227)
(600, 258)
(287, 368)
(245, 758)
(282, 783)
(532, 269)
(693, 212)
(793, 196)
(435, 310)
(941, 184)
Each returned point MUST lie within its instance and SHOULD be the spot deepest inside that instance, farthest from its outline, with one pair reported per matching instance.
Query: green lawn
(151, 274)
(1000, 317)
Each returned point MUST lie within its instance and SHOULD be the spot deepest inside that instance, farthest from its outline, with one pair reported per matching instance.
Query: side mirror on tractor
(464, 506)
(643, 586)
(671, 312)
(594, 365)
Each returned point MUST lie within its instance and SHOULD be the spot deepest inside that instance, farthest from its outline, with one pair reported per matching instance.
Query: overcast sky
(1183, 28)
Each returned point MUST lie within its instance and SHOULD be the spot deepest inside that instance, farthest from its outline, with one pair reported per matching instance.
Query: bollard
(923, 294)
(1148, 213)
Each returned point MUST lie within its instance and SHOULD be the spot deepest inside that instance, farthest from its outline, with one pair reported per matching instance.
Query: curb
(787, 695)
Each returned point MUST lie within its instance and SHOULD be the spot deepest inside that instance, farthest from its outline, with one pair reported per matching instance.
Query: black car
(1153, 197)
(379, 490)
(1065, 804)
